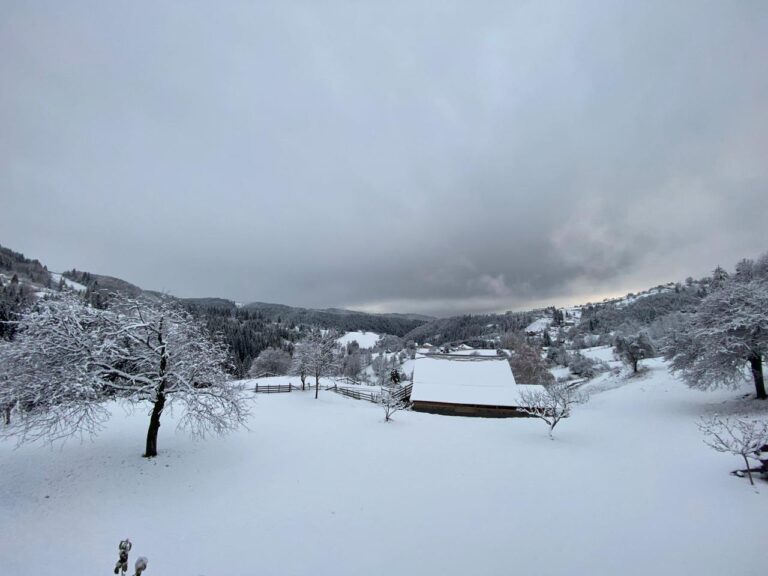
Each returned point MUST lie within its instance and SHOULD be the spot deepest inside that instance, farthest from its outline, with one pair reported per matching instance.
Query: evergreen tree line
(15, 263)
(480, 330)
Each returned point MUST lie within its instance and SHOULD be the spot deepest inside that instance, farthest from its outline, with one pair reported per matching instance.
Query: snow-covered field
(540, 325)
(70, 283)
(364, 339)
(326, 487)
(602, 353)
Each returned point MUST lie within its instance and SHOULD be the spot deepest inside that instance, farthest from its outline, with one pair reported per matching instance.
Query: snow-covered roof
(484, 382)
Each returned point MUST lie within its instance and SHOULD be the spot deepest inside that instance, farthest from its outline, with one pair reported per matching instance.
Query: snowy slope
(539, 325)
(325, 487)
(365, 339)
(69, 283)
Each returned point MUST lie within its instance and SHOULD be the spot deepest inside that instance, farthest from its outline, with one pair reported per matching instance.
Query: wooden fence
(273, 388)
(403, 393)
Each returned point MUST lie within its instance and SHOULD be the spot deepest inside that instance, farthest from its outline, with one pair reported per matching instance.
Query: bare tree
(393, 396)
(70, 358)
(740, 437)
(317, 356)
(551, 403)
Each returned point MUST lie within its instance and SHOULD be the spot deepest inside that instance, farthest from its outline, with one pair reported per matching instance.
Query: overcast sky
(432, 157)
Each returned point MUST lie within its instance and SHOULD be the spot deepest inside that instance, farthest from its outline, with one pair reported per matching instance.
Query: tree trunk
(157, 410)
(317, 385)
(154, 426)
(756, 363)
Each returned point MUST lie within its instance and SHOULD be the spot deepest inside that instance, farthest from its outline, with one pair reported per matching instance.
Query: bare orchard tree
(739, 436)
(317, 356)
(393, 396)
(392, 400)
(551, 403)
(70, 358)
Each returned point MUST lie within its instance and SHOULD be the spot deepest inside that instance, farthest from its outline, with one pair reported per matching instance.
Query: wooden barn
(467, 386)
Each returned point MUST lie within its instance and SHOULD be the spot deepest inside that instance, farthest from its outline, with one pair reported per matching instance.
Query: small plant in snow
(392, 396)
(552, 403)
(740, 437)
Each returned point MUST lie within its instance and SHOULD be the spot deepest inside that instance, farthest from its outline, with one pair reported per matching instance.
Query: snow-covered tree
(726, 333)
(70, 358)
(632, 349)
(351, 365)
(528, 366)
(551, 403)
(271, 361)
(300, 362)
(316, 357)
(739, 436)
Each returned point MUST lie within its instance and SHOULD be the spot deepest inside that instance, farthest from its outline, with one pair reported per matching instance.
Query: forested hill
(16, 263)
(477, 329)
(339, 319)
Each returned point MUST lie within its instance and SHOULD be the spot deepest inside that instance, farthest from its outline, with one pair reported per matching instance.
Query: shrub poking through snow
(737, 436)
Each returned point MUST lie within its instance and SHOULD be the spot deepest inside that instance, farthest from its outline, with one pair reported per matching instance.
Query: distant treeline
(341, 320)
(15, 263)
(476, 329)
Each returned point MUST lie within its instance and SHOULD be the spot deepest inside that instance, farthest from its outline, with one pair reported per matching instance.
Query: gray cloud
(404, 157)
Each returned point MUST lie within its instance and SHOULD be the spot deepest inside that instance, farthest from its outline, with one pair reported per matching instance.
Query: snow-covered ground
(364, 339)
(602, 353)
(474, 352)
(540, 325)
(56, 277)
(325, 487)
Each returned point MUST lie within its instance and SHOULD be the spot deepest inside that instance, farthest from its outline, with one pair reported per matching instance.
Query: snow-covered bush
(272, 361)
(584, 366)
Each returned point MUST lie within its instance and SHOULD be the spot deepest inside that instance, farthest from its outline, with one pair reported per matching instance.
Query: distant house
(467, 386)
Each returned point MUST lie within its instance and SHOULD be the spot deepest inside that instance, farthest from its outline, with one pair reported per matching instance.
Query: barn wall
(477, 410)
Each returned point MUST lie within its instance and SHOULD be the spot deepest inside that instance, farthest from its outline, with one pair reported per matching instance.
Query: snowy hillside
(627, 487)
(69, 283)
(365, 339)
(539, 325)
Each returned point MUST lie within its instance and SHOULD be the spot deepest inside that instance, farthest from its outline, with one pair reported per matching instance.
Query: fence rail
(403, 393)
(273, 388)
